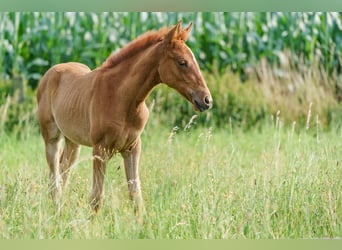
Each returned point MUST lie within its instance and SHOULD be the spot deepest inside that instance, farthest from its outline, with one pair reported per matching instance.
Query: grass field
(233, 172)
(270, 182)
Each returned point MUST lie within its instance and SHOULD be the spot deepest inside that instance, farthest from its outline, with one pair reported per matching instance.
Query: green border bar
(174, 244)
(170, 5)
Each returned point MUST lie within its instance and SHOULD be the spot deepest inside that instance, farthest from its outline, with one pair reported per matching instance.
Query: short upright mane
(141, 43)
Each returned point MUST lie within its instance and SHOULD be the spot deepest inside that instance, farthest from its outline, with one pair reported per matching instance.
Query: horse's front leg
(100, 158)
(131, 161)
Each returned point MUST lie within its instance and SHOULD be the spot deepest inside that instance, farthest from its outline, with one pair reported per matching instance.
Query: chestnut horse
(105, 108)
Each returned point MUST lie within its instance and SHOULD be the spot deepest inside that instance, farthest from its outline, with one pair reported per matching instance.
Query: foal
(105, 108)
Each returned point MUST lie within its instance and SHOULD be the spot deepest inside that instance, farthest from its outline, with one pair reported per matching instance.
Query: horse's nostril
(207, 100)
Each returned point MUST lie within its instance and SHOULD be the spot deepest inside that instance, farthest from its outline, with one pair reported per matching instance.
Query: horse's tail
(46, 89)
(41, 87)
(49, 83)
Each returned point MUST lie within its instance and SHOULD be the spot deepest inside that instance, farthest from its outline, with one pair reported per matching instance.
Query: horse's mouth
(198, 107)
(199, 102)
(201, 106)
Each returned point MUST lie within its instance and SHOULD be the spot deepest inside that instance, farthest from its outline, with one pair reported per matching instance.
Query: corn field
(286, 60)
(32, 42)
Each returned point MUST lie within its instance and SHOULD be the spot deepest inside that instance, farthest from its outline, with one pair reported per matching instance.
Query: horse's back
(73, 68)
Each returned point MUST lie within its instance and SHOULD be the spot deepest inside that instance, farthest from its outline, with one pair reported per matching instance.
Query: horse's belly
(78, 136)
(77, 132)
(73, 122)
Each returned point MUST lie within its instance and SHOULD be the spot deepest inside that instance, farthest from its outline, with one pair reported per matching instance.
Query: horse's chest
(122, 138)
(123, 135)
(118, 129)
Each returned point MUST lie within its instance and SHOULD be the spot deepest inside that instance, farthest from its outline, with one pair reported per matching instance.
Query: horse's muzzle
(202, 105)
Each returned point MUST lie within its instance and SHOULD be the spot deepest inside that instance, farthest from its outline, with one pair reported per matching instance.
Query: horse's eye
(182, 63)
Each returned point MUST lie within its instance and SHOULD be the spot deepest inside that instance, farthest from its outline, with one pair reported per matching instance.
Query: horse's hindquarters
(67, 97)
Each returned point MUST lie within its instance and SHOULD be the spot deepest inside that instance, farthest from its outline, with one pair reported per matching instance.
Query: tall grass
(203, 176)
(18, 118)
(275, 182)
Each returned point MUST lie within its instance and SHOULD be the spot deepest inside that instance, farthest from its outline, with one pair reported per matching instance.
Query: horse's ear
(172, 34)
(188, 29)
(186, 32)
(179, 25)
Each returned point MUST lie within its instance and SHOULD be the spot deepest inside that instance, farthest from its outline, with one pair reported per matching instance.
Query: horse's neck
(138, 74)
(146, 75)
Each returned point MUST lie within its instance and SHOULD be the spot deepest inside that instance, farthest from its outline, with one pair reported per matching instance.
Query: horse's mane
(143, 42)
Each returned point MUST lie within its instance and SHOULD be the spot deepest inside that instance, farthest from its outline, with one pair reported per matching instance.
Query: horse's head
(179, 69)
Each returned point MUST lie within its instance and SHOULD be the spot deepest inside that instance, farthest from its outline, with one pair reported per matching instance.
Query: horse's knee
(134, 189)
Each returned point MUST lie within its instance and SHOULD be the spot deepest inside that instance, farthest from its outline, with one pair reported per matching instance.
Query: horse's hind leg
(53, 145)
(70, 154)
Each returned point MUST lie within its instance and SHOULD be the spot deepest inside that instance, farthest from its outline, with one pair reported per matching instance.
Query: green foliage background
(266, 49)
